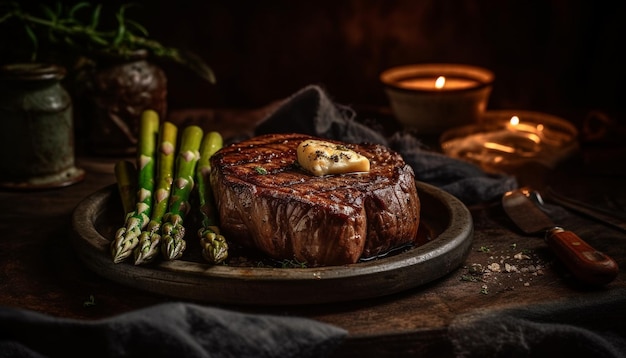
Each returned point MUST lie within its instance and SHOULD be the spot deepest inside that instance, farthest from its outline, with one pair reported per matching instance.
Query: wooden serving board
(445, 222)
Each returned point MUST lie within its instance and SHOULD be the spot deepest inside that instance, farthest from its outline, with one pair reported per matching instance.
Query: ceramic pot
(37, 136)
(112, 94)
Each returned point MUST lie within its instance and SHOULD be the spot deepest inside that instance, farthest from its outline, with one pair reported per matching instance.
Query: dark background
(553, 55)
(547, 55)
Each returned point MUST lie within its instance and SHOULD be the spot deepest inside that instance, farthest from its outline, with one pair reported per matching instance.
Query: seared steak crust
(266, 201)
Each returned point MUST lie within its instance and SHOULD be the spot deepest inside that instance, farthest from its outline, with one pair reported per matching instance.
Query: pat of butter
(322, 158)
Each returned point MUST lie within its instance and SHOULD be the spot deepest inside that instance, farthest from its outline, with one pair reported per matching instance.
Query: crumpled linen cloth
(312, 111)
(165, 330)
(583, 327)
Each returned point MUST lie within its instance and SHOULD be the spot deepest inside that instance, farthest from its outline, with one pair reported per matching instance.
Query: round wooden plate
(445, 221)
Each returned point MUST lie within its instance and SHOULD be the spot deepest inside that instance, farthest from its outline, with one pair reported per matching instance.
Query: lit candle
(431, 98)
(533, 132)
(438, 83)
(505, 139)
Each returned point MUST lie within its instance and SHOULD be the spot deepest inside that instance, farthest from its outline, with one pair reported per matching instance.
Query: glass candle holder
(506, 139)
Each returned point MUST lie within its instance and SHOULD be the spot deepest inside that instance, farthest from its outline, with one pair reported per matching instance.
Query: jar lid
(32, 71)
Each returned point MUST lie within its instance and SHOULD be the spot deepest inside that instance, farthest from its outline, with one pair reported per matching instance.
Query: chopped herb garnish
(260, 170)
(90, 302)
(469, 278)
(293, 263)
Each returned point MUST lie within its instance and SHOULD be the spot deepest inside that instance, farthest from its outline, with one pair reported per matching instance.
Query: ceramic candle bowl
(431, 98)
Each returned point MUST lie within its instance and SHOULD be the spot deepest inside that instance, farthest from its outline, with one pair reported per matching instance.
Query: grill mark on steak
(330, 220)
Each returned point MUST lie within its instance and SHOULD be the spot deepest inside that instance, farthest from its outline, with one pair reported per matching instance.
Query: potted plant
(109, 60)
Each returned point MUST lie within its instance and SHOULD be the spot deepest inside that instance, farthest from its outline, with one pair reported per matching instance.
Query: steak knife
(585, 263)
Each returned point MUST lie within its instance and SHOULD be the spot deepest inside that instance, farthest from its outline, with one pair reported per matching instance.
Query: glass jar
(37, 136)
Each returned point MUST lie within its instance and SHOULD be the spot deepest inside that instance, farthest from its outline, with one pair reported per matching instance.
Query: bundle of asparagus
(154, 215)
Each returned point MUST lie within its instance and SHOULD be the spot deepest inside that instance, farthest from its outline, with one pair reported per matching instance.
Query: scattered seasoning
(494, 267)
(334, 157)
(484, 249)
(90, 302)
(476, 269)
(521, 256)
(293, 263)
(469, 278)
(252, 260)
(260, 170)
(504, 270)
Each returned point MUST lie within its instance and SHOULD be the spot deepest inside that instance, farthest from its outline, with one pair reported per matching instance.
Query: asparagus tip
(173, 247)
(214, 247)
(148, 248)
(124, 243)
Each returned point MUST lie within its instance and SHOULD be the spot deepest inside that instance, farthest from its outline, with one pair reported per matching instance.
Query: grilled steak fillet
(268, 202)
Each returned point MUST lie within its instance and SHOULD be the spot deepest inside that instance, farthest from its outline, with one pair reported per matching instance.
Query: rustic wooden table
(40, 270)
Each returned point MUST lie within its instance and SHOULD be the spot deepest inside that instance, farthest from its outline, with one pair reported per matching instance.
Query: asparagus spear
(172, 230)
(150, 238)
(214, 245)
(127, 237)
(126, 175)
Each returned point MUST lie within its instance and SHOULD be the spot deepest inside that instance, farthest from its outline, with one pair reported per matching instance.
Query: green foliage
(82, 29)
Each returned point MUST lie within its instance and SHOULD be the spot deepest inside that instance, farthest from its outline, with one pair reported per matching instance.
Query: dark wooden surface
(40, 271)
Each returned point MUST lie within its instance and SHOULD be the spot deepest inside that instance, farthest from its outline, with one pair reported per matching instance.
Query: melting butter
(323, 158)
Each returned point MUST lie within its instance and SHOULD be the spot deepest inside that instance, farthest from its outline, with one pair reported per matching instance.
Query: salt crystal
(495, 267)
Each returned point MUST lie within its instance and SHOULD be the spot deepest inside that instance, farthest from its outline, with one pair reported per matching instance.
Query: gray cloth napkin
(311, 111)
(583, 327)
(166, 330)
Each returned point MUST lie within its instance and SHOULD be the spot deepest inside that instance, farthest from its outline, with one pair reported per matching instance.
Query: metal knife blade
(524, 213)
(586, 264)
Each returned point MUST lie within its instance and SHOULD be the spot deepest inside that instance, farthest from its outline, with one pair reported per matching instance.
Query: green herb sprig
(260, 170)
(80, 28)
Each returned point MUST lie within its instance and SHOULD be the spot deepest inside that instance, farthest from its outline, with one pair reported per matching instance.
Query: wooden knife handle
(587, 264)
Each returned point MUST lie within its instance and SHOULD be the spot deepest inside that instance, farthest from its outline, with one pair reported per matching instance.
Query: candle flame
(440, 82)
